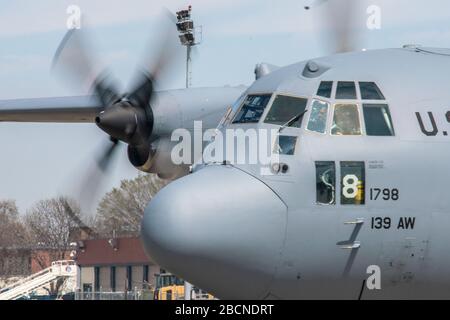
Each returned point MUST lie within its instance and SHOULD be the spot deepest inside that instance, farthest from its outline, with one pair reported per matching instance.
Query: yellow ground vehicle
(169, 287)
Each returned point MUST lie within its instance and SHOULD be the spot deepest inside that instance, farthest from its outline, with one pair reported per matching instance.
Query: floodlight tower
(185, 27)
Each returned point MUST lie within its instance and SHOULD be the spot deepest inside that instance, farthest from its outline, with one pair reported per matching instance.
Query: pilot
(345, 122)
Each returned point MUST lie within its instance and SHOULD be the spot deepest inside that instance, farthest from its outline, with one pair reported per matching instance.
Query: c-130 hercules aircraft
(354, 186)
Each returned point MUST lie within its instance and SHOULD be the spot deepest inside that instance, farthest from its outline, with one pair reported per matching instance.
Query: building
(42, 258)
(114, 265)
(24, 261)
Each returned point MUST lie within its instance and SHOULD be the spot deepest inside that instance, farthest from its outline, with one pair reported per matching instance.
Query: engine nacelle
(156, 158)
(179, 109)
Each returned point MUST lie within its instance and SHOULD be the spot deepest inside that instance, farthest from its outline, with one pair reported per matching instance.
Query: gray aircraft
(359, 184)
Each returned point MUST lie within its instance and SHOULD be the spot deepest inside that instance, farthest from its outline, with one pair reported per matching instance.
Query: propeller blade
(339, 18)
(77, 219)
(74, 62)
(106, 90)
(167, 52)
(169, 46)
(162, 56)
(142, 93)
(91, 183)
(315, 4)
(105, 159)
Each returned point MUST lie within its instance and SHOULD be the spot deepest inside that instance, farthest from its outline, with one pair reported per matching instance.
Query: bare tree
(13, 239)
(12, 231)
(50, 223)
(121, 210)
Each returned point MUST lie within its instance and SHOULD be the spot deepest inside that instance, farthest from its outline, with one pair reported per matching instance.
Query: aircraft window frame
(226, 118)
(331, 184)
(331, 89)
(289, 142)
(360, 118)
(347, 183)
(270, 105)
(358, 101)
(381, 96)
(238, 110)
(235, 107)
(327, 120)
(239, 101)
(374, 105)
(355, 84)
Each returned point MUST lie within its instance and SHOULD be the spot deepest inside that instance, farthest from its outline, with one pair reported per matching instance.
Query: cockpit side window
(318, 117)
(346, 120)
(325, 89)
(353, 182)
(370, 91)
(285, 145)
(377, 119)
(252, 109)
(285, 108)
(346, 90)
(325, 182)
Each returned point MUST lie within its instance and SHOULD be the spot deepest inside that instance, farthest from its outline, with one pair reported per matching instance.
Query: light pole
(185, 27)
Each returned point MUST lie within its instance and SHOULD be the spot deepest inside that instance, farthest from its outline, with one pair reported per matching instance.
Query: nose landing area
(219, 228)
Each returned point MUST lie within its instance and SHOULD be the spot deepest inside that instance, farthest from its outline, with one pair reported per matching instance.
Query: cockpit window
(378, 120)
(325, 182)
(285, 108)
(370, 91)
(325, 89)
(346, 120)
(346, 90)
(318, 117)
(353, 182)
(252, 109)
(285, 145)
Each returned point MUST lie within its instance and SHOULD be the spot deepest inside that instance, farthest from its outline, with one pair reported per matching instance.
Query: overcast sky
(43, 160)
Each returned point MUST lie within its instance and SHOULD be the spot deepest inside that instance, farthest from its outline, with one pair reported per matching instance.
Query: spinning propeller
(125, 117)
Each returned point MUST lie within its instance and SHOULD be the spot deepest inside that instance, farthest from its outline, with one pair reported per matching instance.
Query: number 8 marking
(350, 190)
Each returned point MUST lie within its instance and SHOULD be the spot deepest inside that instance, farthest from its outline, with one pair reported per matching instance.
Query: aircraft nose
(219, 228)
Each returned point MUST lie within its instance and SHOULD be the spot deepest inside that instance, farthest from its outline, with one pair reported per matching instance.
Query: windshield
(285, 108)
(252, 109)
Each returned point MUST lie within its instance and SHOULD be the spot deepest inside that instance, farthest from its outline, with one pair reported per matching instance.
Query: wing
(61, 109)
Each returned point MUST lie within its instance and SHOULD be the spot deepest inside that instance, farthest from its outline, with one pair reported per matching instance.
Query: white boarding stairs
(58, 269)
